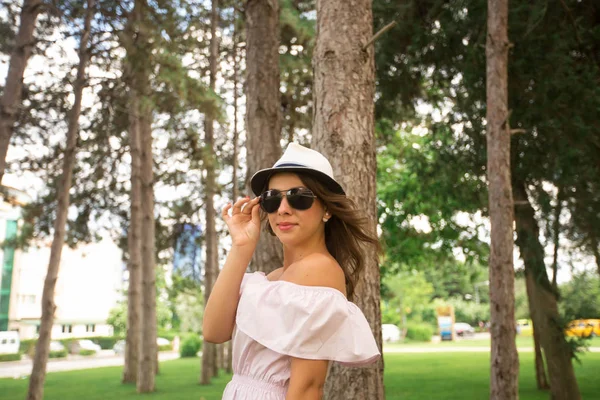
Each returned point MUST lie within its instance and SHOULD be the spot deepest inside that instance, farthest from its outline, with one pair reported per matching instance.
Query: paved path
(106, 358)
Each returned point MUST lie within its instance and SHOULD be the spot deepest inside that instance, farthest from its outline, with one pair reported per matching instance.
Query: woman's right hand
(244, 221)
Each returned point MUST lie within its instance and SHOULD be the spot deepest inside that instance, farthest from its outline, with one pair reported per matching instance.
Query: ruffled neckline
(301, 287)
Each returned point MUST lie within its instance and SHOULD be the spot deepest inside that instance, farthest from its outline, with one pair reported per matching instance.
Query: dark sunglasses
(299, 198)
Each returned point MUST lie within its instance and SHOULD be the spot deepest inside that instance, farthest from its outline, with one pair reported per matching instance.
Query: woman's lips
(286, 227)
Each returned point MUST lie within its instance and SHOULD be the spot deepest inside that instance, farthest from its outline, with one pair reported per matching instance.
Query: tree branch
(381, 32)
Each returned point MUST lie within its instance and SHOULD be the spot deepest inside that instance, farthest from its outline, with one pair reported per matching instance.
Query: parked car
(390, 333)
(584, 328)
(57, 346)
(524, 327)
(119, 347)
(463, 329)
(83, 344)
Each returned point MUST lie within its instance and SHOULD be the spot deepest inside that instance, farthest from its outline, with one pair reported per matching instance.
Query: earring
(325, 219)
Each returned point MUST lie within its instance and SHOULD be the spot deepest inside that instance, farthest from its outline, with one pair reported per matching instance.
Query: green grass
(522, 341)
(444, 376)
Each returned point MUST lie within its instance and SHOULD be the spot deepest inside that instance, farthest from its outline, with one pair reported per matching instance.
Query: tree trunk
(235, 192)
(504, 358)
(42, 348)
(343, 130)
(147, 367)
(210, 365)
(595, 250)
(140, 51)
(563, 384)
(556, 235)
(11, 98)
(540, 371)
(263, 113)
(134, 299)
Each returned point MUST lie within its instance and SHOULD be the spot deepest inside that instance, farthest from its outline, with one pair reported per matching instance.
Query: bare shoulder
(317, 270)
(275, 274)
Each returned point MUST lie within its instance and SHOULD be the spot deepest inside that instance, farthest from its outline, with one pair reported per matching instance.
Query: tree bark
(263, 113)
(134, 299)
(42, 348)
(140, 52)
(343, 131)
(210, 365)
(563, 384)
(504, 358)
(11, 98)
(235, 192)
(540, 371)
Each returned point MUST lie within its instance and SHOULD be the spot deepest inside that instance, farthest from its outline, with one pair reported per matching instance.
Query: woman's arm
(219, 313)
(307, 379)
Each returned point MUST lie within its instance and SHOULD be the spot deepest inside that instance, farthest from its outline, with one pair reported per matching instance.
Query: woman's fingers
(225, 212)
(249, 206)
(237, 207)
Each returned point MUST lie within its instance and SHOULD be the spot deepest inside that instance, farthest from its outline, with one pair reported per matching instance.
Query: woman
(287, 326)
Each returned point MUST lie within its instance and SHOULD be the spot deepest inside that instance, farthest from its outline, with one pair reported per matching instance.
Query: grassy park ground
(446, 375)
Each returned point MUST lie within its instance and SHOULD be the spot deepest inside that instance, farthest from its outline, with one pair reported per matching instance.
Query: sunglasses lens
(301, 199)
(270, 201)
(298, 198)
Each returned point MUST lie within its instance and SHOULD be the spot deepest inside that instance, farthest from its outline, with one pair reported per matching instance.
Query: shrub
(419, 332)
(165, 347)
(10, 357)
(106, 342)
(190, 346)
(87, 352)
(27, 346)
(58, 354)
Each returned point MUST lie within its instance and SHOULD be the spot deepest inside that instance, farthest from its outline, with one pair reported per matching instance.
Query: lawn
(444, 376)
(522, 341)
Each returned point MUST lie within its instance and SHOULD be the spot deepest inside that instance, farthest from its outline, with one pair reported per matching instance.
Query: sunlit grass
(444, 376)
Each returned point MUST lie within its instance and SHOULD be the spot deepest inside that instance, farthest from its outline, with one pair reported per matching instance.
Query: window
(67, 328)
(90, 328)
(37, 329)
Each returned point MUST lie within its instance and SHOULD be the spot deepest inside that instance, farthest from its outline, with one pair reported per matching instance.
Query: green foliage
(407, 291)
(190, 346)
(10, 357)
(469, 311)
(419, 332)
(165, 347)
(58, 354)
(26, 345)
(390, 314)
(87, 352)
(117, 318)
(106, 342)
(581, 297)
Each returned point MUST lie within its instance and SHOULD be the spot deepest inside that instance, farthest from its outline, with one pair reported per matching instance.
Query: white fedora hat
(298, 159)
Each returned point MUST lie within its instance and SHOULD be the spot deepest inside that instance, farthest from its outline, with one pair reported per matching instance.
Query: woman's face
(294, 226)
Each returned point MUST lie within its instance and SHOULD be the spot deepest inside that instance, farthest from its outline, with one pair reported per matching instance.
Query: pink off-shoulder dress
(277, 320)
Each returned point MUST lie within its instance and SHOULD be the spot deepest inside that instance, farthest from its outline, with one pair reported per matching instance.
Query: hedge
(10, 357)
(58, 354)
(87, 352)
(419, 332)
(190, 346)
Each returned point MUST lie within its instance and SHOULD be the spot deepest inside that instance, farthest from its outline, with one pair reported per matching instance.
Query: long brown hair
(347, 232)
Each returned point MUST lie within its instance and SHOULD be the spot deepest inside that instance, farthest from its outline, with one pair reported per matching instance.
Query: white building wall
(89, 285)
